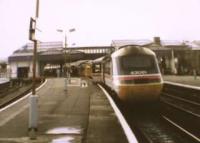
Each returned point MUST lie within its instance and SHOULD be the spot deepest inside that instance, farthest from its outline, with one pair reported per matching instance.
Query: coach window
(111, 68)
(115, 69)
(107, 67)
(97, 68)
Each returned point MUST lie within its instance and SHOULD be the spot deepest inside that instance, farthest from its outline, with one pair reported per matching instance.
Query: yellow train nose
(140, 92)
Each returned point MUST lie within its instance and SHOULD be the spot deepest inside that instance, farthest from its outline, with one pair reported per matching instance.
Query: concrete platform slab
(82, 114)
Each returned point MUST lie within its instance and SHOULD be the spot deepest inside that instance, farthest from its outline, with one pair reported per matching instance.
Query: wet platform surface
(80, 114)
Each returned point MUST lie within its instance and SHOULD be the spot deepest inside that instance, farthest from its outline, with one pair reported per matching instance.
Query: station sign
(32, 28)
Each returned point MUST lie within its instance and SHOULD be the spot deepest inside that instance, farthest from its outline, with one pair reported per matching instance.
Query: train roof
(98, 59)
(132, 50)
(80, 62)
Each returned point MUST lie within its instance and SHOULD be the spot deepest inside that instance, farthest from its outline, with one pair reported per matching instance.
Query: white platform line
(127, 130)
(185, 131)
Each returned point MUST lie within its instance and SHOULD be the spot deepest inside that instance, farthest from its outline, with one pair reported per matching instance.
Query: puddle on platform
(63, 140)
(84, 83)
(64, 130)
(74, 82)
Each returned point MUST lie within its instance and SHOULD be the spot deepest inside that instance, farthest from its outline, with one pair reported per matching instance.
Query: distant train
(132, 72)
(97, 67)
(84, 68)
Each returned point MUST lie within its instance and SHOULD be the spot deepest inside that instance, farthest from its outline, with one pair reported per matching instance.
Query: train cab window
(96, 68)
(136, 64)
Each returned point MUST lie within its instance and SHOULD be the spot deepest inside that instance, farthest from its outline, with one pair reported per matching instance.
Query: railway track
(151, 127)
(181, 108)
(11, 94)
(187, 92)
(14, 95)
(174, 120)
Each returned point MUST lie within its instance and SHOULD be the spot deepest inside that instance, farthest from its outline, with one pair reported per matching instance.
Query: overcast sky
(97, 22)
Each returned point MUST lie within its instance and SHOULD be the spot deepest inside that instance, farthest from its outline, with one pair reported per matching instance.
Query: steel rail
(184, 110)
(180, 128)
(182, 99)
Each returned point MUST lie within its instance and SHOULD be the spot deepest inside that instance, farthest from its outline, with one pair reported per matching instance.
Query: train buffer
(83, 114)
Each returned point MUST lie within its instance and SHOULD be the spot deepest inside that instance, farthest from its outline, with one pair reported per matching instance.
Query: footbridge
(51, 55)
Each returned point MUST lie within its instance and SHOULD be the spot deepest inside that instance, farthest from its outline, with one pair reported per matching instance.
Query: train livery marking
(138, 72)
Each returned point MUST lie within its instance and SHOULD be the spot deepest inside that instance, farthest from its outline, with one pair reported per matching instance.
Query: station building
(51, 58)
(174, 57)
(4, 69)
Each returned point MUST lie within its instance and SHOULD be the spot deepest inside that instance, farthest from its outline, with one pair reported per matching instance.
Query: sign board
(32, 28)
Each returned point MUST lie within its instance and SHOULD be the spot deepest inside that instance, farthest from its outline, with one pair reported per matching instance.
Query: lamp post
(65, 56)
(33, 99)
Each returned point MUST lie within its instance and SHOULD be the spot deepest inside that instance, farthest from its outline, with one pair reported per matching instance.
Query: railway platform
(186, 79)
(82, 113)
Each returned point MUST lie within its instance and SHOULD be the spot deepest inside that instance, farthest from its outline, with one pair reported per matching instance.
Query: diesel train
(132, 72)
